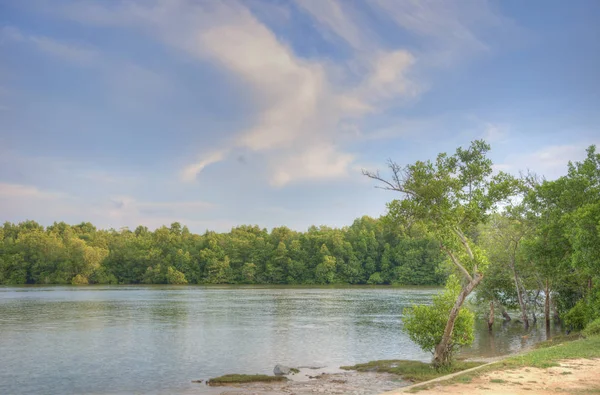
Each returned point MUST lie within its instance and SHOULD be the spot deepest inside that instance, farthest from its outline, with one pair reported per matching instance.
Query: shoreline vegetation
(229, 379)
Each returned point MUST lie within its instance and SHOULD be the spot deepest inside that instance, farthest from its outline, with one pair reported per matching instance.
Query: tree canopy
(370, 251)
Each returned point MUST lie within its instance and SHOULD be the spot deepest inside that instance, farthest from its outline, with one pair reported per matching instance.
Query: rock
(280, 370)
(197, 381)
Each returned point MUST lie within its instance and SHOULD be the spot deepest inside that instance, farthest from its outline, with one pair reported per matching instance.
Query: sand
(575, 376)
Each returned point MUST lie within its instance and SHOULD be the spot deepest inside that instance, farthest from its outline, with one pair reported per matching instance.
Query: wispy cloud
(190, 172)
(304, 109)
(19, 191)
(494, 132)
(73, 52)
(451, 30)
(550, 161)
(341, 19)
(131, 85)
(29, 201)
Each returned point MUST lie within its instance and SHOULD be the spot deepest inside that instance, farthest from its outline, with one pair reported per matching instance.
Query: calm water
(148, 340)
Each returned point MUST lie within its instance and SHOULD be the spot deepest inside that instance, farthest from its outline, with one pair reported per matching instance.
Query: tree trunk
(534, 306)
(520, 295)
(505, 314)
(491, 317)
(443, 351)
(547, 309)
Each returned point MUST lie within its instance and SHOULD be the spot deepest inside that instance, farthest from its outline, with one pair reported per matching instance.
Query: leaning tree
(449, 198)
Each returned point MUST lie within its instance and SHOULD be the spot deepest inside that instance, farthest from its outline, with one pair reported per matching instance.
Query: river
(152, 340)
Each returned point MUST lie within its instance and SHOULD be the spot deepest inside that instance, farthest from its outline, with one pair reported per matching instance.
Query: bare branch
(457, 263)
(397, 181)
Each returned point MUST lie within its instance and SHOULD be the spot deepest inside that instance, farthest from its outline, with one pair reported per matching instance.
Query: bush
(79, 280)
(175, 276)
(425, 324)
(592, 329)
(580, 315)
(375, 279)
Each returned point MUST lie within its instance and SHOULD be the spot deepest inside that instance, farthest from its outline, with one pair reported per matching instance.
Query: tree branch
(457, 263)
(463, 240)
(395, 184)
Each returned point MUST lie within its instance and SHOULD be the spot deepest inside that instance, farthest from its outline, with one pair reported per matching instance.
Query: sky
(222, 113)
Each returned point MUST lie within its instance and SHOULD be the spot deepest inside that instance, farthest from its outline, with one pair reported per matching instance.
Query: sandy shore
(573, 376)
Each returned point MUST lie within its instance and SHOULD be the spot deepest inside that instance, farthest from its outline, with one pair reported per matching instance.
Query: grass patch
(243, 378)
(542, 357)
(414, 371)
(565, 372)
(497, 381)
(559, 339)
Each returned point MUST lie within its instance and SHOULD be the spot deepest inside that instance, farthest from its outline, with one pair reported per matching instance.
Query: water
(151, 340)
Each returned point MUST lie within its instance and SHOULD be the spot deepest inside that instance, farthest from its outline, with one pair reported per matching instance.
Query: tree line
(522, 243)
(370, 251)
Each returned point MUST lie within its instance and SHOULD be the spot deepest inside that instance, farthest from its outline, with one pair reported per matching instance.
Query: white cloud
(190, 172)
(300, 108)
(304, 108)
(316, 163)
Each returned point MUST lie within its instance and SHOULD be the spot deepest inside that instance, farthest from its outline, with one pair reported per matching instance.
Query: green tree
(449, 198)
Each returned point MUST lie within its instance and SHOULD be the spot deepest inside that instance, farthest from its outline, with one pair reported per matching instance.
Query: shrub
(579, 316)
(593, 328)
(79, 280)
(425, 324)
(375, 279)
(175, 276)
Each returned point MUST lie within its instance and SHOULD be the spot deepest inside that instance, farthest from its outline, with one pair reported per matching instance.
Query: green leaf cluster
(425, 324)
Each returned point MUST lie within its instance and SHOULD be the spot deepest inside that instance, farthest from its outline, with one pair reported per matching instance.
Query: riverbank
(562, 365)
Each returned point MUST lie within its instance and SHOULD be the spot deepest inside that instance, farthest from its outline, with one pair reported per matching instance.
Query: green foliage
(448, 198)
(369, 251)
(79, 280)
(584, 312)
(175, 276)
(425, 324)
(592, 329)
(565, 247)
(375, 279)
(243, 378)
(414, 371)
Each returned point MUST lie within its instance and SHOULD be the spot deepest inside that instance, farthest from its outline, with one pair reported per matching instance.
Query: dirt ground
(576, 376)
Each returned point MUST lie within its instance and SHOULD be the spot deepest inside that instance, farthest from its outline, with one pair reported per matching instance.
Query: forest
(370, 251)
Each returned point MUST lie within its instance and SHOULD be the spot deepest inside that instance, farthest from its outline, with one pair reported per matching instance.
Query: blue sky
(264, 112)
